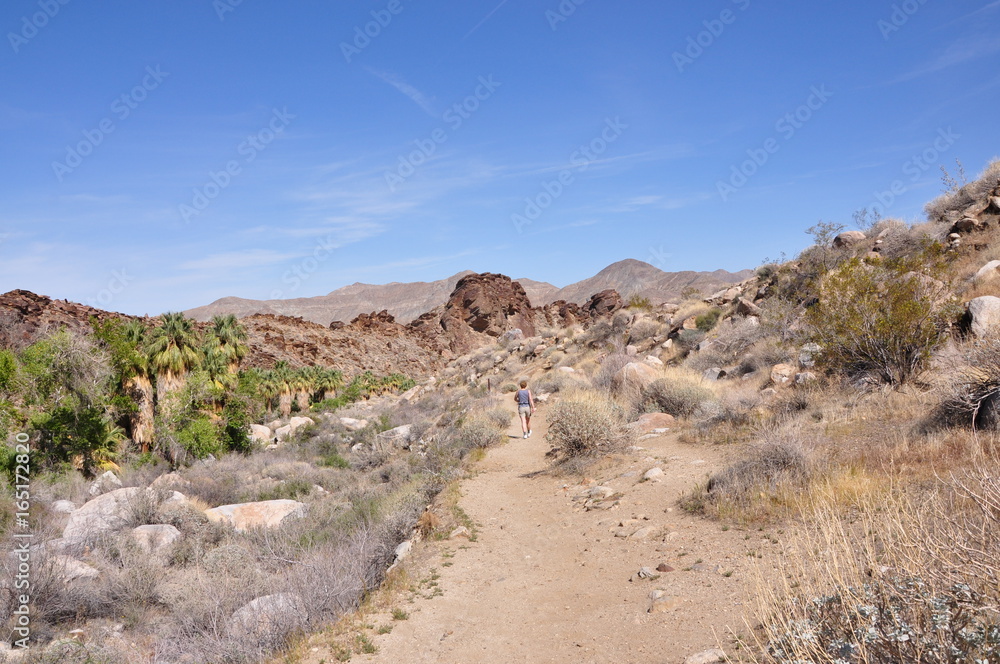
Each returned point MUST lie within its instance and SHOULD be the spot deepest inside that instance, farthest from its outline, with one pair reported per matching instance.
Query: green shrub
(639, 302)
(199, 438)
(334, 460)
(677, 397)
(706, 321)
(66, 435)
(8, 371)
(879, 322)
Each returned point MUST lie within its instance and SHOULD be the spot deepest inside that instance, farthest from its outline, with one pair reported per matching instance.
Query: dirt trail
(547, 581)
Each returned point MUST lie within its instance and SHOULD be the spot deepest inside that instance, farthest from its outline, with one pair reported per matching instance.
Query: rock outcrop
(263, 514)
(107, 512)
(983, 315)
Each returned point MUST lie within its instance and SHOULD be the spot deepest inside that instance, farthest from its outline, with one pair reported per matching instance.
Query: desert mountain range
(406, 301)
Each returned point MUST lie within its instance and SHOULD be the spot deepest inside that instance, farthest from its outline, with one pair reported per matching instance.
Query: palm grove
(168, 390)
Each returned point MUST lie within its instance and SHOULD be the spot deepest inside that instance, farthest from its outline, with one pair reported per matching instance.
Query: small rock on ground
(713, 656)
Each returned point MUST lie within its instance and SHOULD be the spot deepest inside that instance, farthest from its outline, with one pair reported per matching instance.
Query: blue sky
(158, 155)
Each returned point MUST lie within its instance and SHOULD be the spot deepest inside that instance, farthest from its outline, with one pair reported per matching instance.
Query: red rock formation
(481, 308)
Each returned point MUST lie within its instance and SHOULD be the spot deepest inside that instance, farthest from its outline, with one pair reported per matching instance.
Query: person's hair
(524, 384)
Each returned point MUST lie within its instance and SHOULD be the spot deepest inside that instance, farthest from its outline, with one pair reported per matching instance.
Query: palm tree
(302, 384)
(228, 337)
(269, 387)
(329, 381)
(173, 352)
(283, 377)
(217, 367)
(138, 385)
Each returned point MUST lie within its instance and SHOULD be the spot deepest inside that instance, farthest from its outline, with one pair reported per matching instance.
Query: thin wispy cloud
(237, 259)
(420, 261)
(982, 10)
(481, 23)
(415, 95)
(957, 53)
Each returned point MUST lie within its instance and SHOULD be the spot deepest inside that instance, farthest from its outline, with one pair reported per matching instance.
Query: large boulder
(634, 376)
(260, 434)
(747, 308)
(983, 315)
(170, 482)
(63, 506)
(268, 618)
(106, 482)
(155, 538)
(297, 423)
(604, 303)
(991, 269)
(108, 512)
(263, 514)
(352, 424)
(649, 422)
(71, 570)
(848, 239)
(401, 436)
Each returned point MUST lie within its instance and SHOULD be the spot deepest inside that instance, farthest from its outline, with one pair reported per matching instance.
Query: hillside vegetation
(858, 387)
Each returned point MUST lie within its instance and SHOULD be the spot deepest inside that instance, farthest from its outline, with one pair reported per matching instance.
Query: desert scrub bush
(972, 397)
(879, 322)
(480, 432)
(913, 578)
(761, 356)
(597, 334)
(688, 340)
(610, 366)
(706, 321)
(588, 424)
(769, 472)
(730, 343)
(551, 383)
(961, 195)
(643, 330)
(639, 302)
(679, 397)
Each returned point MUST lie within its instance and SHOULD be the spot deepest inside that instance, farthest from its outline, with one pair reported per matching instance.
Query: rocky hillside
(486, 306)
(406, 301)
(480, 308)
(636, 278)
(381, 347)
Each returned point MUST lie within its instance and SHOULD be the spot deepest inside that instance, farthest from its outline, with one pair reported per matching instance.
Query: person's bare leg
(524, 423)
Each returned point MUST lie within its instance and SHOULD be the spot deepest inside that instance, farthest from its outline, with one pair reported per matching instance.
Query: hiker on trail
(525, 407)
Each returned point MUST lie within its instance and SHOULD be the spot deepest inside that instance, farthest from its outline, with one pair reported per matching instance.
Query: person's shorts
(524, 410)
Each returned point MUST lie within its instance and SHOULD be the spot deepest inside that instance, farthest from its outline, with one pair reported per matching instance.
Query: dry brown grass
(907, 576)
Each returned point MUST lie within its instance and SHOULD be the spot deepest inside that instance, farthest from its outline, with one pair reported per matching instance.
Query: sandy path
(548, 581)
